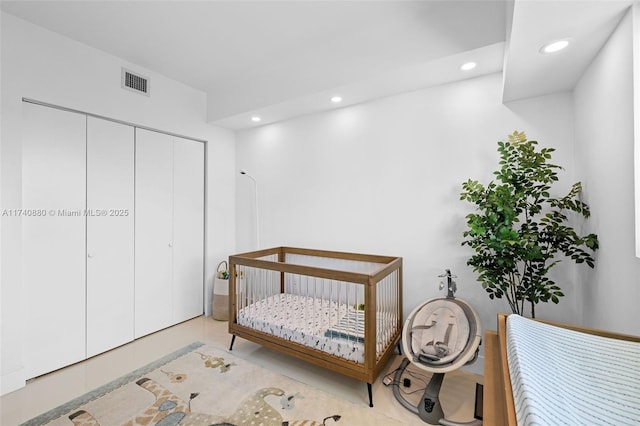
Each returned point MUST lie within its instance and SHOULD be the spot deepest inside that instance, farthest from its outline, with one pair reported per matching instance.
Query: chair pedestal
(428, 409)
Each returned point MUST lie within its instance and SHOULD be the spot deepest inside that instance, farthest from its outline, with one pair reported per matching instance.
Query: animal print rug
(202, 385)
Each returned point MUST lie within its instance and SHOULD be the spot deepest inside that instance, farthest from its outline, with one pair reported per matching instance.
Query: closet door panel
(54, 182)
(188, 229)
(110, 235)
(153, 232)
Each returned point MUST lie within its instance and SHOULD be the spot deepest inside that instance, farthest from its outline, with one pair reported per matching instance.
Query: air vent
(135, 82)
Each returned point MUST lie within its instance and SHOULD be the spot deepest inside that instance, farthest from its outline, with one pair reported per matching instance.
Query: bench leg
(233, 339)
(370, 394)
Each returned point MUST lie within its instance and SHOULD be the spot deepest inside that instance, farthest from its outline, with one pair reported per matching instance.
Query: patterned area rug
(203, 385)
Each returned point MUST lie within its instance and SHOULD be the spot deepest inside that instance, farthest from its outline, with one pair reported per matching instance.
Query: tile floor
(49, 391)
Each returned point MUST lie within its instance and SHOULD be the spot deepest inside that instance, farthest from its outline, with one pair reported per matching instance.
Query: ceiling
(588, 24)
(279, 59)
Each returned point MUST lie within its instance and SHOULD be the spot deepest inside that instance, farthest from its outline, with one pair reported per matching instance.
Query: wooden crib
(341, 311)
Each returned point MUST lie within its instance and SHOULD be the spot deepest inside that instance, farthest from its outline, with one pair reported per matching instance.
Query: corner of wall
(635, 10)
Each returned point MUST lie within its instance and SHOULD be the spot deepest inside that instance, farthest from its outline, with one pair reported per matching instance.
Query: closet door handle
(89, 255)
(170, 244)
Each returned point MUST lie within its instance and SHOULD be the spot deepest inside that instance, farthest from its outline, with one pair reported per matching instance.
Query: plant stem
(511, 296)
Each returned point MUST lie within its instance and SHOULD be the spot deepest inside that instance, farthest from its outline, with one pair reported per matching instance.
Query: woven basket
(220, 304)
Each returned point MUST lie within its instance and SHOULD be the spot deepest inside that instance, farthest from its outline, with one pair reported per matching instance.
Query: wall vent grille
(134, 82)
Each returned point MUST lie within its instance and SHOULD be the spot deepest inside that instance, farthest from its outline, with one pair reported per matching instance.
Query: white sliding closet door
(153, 232)
(169, 230)
(110, 235)
(53, 182)
(188, 229)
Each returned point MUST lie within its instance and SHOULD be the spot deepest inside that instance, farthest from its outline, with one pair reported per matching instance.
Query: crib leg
(370, 394)
(233, 339)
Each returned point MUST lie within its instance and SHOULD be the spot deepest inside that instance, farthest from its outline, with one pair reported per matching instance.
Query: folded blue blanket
(350, 326)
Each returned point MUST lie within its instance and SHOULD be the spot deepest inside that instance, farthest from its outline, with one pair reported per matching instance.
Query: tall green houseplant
(519, 228)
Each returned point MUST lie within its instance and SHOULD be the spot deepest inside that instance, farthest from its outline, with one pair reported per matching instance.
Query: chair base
(429, 408)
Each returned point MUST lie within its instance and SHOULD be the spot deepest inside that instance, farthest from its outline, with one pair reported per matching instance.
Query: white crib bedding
(564, 377)
(312, 322)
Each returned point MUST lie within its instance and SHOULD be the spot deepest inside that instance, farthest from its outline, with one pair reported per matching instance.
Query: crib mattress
(561, 376)
(316, 323)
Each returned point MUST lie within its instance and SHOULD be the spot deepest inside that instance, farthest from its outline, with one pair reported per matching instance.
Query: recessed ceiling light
(468, 66)
(255, 119)
(336, 99)
(554, 46)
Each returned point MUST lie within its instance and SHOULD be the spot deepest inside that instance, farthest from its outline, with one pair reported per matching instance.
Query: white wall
(45, 66)
(384, 177)
(603, 102)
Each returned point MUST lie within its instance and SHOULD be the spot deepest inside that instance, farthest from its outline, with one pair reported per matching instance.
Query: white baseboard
(12, 381)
